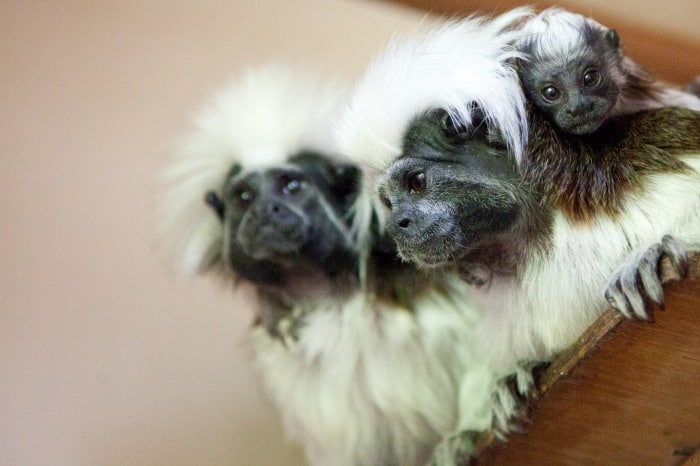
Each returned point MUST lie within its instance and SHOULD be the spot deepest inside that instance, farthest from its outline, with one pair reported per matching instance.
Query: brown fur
(590, 175)
(638, 83)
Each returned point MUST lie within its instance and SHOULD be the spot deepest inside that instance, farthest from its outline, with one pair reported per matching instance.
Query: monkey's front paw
(510, 409)
(455, 450)
(636, 287)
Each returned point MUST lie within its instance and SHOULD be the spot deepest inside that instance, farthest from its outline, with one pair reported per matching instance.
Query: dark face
(576, 92)
(287, 217)
(453, 191)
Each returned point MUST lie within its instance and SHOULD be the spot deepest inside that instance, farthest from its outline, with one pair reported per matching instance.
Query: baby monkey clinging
(576, 73)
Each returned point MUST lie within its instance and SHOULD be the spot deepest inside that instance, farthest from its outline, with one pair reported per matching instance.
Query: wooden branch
(694, 460)
(567, 360)
(626, 393)
(601, 328)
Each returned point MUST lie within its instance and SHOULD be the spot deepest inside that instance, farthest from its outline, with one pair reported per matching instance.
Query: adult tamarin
(575, 72)
(444, 122)
(384, 370)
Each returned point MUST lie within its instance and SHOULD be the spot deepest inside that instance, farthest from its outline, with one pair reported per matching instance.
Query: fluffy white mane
(262, 118)
(458, 64)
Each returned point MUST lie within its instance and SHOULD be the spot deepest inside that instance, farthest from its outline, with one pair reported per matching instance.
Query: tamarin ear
(214, 201)
(613, 38)
(346, 178)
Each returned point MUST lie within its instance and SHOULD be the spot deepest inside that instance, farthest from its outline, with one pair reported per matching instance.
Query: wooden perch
(566, 361)
(626, 393)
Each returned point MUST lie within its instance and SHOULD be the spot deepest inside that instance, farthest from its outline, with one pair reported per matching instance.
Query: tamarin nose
(581, 109)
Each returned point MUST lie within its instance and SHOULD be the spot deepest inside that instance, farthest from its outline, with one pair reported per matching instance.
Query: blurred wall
(105, 357)
(674, 17)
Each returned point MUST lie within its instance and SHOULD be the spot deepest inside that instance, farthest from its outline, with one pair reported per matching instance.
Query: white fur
(459, 63)
(556, 34)
(363, 382)
(564, 290)
(368, 383)
(262, 118)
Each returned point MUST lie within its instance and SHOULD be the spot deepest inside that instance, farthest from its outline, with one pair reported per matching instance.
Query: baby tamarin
(576, 73)
(382, 368)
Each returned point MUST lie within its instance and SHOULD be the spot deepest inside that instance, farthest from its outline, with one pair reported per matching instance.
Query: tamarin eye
(551, 93)
(416, 182)
(450, 127)
(592, 78)
(243, 197)
(290, 185)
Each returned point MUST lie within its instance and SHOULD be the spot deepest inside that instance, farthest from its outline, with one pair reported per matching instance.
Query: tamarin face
(576, 88)
(286, 216)
(454, 189)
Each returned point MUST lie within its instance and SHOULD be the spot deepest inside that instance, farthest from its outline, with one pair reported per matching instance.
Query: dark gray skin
(636, 288)
(457, 201)
(456, 198)
(285, 227)
(576, 92)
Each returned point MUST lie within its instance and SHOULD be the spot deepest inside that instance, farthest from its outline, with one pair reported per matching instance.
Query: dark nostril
(404, 223)
(275, 208)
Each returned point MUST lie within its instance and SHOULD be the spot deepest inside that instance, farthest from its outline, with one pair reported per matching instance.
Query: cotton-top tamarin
(382, 368)
(575, 72)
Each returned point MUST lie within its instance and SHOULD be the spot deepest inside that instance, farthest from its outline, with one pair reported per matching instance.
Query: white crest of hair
(368, 383)
(555, 32)
(456, 65)
(263, 117)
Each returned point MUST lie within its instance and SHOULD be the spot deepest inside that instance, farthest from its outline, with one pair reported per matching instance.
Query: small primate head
(455, 194)
(573, 70)
(285, 219)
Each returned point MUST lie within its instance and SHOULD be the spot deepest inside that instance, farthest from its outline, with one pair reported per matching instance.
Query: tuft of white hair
(557, 33)
(263, 117)
(455, 66)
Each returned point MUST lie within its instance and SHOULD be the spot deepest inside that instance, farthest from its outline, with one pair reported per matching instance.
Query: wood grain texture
(569, 358)
(693, 460)
(632, 398)
(670, 57)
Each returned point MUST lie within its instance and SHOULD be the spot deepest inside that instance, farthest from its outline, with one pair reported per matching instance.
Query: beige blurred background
(105, 357)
